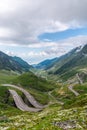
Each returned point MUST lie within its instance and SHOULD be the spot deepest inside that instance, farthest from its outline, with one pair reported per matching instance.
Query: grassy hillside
(82, 88)
(74, 63)
(61, 61)
(7, 76)
(29, 80)
(63, 93)
(55, 116)
(51, 118)
(13, 63)
(79, 101)
(67, 66)
(72, 113)
(6, 100)
(10, 77)
(37, 86)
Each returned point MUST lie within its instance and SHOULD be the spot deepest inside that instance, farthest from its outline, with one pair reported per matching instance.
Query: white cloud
(64, 46)
(37, 54)
(42, 45)
(29, 18)
(6, 32)
(22, 21)
(10, 53)
(46, 51)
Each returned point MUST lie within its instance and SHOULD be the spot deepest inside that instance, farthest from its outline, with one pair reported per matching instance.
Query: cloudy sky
(40, 29)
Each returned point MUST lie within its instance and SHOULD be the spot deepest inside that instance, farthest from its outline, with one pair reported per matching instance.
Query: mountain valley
(49, 96)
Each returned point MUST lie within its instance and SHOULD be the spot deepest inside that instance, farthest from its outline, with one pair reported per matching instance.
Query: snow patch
(80, 48)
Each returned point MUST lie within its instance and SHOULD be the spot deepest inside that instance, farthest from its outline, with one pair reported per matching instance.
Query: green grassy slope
(51, 118)
(64, 94)
(7, 76)
(81, 88)
(73, 113)
(67, 66)
(75, 63)
(29, 80)
(6, 100)
(79, 101)
(37, 86)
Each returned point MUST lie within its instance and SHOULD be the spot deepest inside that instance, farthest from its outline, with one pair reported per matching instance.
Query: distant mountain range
(67, 65)
(77, 60)
(45, 64)
(13, 63)
(64, 66)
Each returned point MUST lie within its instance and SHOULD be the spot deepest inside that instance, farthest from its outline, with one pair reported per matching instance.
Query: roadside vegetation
(73, 112)
(29, 80)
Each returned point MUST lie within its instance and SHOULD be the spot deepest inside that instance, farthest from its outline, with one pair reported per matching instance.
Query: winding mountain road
(20, 103)
(59, 102)
(71, 87)
(72, 90)
(81, 82)
(29, 97)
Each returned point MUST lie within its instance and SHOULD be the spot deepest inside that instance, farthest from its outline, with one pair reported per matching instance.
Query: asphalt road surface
(20, 103)
(72, 90)
(29, 97)
(81, 82)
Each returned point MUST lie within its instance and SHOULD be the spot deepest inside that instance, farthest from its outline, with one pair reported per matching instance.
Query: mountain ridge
(13, 63)
(68, 65)
(46, 63)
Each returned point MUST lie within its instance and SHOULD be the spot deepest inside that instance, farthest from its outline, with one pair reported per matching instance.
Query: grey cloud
(30, 18)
